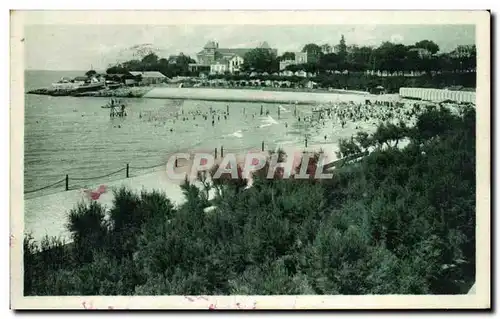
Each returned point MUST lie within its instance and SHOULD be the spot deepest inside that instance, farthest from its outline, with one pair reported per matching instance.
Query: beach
(75, 137)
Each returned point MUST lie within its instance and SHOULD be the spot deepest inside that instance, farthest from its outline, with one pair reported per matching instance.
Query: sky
(80, 47)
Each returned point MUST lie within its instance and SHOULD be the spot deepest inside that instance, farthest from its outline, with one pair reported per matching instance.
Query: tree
(287, 56)
(358, 58)
(313, 52)
(329, 62)
(312, 48)
(389, 56)
(260, 60)
(184, 60)
(341, 49)
(430, 46)
(90, 73)
(117, 69)
(150, 59)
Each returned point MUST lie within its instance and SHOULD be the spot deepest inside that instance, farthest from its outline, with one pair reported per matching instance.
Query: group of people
(338, 114)
(117, 108)
(358, 114)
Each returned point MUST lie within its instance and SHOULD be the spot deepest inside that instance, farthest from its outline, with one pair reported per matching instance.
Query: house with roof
(150, 77)
(235, 63)
(231, 64)
(233, 58)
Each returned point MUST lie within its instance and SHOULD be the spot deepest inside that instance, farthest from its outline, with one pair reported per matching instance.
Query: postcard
(250, 160)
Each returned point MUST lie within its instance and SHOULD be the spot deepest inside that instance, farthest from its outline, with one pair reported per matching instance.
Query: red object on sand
(94, 195)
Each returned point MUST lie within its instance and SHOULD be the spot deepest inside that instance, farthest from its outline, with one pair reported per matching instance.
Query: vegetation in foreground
(399, 221)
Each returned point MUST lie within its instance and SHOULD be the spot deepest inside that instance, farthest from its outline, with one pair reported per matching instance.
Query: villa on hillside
(221, 60)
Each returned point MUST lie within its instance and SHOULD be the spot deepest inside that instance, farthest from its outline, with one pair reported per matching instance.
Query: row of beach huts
(438, 95)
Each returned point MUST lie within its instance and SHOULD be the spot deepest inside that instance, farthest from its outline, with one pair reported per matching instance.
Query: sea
(75, 136)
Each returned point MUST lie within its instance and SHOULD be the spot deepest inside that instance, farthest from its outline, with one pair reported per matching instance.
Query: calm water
(75, 136)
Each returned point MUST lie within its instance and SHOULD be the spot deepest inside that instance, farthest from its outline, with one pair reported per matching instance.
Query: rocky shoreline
(130, 92)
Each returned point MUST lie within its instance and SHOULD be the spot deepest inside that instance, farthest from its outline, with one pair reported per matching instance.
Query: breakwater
(119, 92)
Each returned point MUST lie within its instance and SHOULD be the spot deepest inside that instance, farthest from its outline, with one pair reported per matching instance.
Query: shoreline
(39, 224)
(222, 94)
(264, 96)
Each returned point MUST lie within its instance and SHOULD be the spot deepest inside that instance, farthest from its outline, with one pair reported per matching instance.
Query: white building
(231, 64)
(300, 58)
(219, 67)
(235, 63)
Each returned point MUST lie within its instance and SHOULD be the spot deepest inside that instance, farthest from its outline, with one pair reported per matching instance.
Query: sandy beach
(47, 215)
(262, 96)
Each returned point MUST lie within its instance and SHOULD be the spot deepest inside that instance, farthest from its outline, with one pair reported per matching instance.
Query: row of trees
(359, 81)
(399, 221)
(175, 65)
(422, 56)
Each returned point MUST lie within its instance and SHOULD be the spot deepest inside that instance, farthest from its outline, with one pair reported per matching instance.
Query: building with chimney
(218, 60)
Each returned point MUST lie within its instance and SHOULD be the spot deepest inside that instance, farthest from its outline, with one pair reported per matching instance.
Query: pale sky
(78, 47)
